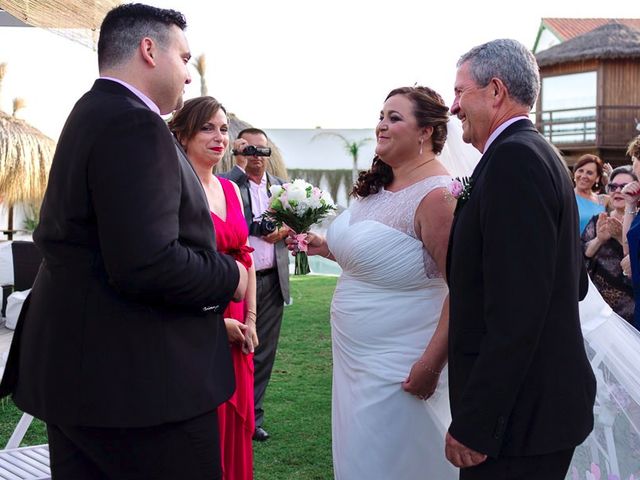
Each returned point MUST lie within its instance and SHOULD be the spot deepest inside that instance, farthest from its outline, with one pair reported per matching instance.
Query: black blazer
(282, 253)
(520, 382)
(123, 327)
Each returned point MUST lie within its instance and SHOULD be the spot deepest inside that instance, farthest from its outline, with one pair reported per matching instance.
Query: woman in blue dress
(587, 174)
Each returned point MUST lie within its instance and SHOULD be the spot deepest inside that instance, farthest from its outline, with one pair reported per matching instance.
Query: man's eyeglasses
(614, 187)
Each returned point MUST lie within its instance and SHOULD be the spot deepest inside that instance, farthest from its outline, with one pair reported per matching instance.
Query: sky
(296, 64)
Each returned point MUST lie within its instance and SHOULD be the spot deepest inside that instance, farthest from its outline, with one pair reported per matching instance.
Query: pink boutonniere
(460, 188)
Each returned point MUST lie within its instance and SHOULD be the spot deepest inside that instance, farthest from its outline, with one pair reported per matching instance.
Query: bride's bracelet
(428, 368)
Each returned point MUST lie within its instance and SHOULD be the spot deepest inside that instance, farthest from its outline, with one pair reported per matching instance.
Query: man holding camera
(271, 257)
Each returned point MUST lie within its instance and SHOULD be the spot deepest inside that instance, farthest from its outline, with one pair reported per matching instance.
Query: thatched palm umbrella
(25, 159)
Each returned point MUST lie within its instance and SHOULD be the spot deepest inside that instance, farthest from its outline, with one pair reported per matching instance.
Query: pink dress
(236, 416)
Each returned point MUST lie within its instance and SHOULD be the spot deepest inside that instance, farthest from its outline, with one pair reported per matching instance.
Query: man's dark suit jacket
(282, 253)
(520, 382)
(123, 327)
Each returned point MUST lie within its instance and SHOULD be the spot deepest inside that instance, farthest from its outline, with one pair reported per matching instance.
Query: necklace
(421, 164)
(407, 177)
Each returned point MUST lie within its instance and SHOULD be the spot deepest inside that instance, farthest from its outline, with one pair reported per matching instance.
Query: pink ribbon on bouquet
(301, 238)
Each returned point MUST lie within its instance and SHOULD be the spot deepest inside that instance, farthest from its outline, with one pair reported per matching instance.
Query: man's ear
(498, 89)
(148, 51)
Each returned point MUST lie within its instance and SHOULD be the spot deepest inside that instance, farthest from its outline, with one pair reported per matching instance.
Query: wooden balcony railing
(609, 127)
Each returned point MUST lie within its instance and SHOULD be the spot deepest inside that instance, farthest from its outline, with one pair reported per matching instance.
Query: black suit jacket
(122, 327)
(520, 382)
(282, 253)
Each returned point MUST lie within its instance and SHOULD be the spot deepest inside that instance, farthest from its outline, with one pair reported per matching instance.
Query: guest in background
(271, 257)
(631, 228)
(202, 129)
(587, 173)
(602, 243)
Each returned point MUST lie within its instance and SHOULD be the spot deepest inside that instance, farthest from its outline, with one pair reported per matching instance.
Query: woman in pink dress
(202, 130)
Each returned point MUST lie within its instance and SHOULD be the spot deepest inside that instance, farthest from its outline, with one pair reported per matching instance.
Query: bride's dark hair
(430, 111)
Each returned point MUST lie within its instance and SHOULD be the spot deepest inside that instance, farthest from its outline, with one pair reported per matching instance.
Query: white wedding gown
(385, 308)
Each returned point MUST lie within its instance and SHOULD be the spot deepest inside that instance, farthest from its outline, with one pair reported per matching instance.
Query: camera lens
(267, 226)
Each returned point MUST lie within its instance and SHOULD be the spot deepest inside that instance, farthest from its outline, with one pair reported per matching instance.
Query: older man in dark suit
(521, 387)
(121, 348)
(270, 255)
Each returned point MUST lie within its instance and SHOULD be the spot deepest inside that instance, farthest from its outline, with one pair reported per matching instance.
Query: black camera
(252, 150)
(262, 228)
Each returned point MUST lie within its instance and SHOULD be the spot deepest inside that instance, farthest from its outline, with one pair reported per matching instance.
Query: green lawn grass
(298, 401)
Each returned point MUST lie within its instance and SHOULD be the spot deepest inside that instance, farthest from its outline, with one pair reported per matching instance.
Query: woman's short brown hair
(188, 121)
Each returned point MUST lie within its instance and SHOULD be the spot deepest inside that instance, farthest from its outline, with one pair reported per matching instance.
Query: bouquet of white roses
(299, 205)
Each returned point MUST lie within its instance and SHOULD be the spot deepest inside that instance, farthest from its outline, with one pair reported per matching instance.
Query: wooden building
(590, 95)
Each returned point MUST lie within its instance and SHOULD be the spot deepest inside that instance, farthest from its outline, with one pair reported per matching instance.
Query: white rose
(275, 190)
(296, 193)
(299, 183)
(326, 197)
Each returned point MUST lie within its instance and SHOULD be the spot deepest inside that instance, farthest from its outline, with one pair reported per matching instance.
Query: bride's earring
(420, 152)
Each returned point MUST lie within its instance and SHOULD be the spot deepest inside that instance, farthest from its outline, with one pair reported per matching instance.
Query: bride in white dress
(388, 315)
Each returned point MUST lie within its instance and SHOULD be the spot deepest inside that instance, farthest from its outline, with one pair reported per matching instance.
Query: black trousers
(183, 450)
(553, 466)
(270, 306)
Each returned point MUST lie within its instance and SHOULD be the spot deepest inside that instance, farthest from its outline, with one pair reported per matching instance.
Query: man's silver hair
(511, 62)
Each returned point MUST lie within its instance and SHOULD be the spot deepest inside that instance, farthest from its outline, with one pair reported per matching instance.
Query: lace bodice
(398, 210)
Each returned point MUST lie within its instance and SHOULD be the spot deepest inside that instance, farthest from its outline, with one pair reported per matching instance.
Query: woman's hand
(631, 192)
(615, 229)
(235, 330)
(603, 234)
(422, 380)
(316, 244)
(250, 338)
(625, 263)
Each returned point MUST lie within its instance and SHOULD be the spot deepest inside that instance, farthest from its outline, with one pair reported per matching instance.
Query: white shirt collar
(147, 101)
(501, 129)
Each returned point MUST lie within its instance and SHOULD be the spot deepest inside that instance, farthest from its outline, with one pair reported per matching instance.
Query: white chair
(24, 463)
(32, 462)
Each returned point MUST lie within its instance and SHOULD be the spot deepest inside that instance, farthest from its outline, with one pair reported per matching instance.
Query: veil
(458, 157)
(612, 450)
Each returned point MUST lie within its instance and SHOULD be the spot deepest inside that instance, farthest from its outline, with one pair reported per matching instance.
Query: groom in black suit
(121, 348)
(521, 387)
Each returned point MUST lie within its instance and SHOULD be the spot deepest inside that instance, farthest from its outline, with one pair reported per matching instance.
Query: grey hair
(511, 62)
(124, 27)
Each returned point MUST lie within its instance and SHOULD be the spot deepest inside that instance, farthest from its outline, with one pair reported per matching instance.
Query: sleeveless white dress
(385, 308)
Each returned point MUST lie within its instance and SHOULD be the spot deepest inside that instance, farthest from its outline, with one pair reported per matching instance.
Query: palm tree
(3, 72)
(200, 63)
(351, 147)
